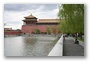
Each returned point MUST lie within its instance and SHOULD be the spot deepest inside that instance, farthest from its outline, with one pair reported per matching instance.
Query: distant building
(30, 23)
(9, 31)
(7, 28)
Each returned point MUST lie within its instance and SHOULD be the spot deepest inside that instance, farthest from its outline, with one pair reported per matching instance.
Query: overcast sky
(15, 13)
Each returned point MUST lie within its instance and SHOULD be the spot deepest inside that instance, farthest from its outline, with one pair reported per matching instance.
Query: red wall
(12, 32)
(42, 28)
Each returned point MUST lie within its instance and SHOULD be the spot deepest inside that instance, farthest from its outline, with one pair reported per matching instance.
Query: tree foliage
(48, 30)
(37, 31)
(54, 30)
(73, 18)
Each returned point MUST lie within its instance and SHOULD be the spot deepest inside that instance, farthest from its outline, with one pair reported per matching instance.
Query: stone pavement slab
(71, 49)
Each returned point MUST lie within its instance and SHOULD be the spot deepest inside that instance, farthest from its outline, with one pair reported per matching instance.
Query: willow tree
(73, 18)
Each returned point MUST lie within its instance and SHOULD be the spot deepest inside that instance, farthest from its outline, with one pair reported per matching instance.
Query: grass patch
(81, 39)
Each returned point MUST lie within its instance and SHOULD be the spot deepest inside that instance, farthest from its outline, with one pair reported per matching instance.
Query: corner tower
(30, 20)
(29, 24)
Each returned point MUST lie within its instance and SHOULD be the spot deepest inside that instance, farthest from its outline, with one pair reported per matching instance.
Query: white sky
(15, 13)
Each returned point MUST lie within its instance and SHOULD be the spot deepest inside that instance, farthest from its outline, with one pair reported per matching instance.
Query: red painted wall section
(29, 29)
(12, 32)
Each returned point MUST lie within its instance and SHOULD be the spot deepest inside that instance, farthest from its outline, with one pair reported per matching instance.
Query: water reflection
(28, 46)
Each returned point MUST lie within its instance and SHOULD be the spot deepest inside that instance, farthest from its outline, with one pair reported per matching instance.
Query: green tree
(73, 18)
(48, 30)
(37, 31)
(54, 30)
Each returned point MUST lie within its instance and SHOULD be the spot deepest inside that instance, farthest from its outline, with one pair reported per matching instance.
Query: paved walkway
(71, 49)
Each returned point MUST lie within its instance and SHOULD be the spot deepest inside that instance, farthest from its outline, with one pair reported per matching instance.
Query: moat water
(28, 46)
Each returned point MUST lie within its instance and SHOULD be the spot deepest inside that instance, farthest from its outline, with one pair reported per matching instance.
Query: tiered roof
(33, 18)
(48, 21)
(30, 17)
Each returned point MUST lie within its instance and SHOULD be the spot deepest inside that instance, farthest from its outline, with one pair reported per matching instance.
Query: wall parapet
(58, 48)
